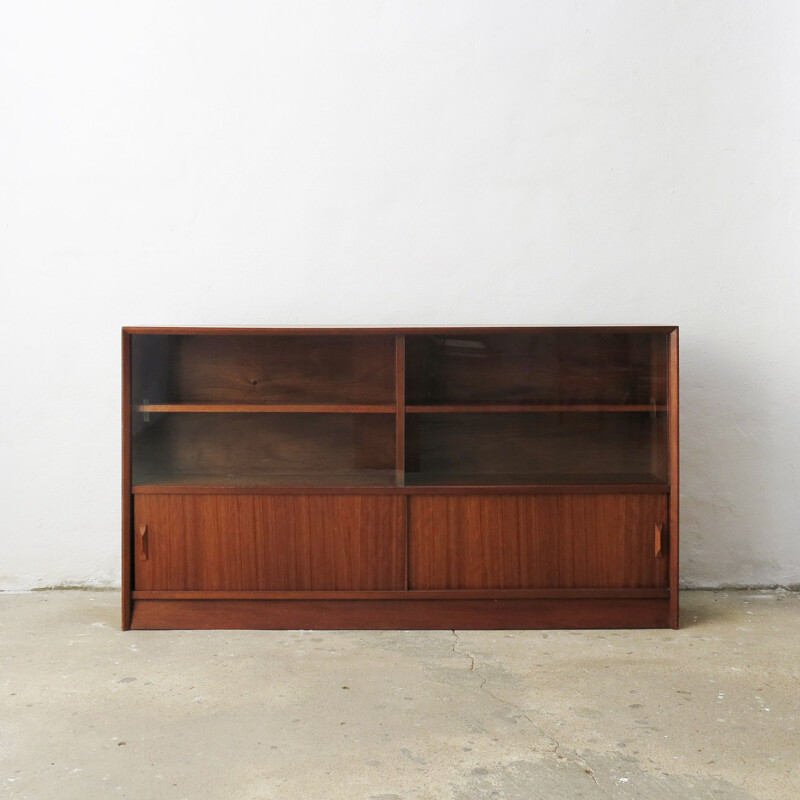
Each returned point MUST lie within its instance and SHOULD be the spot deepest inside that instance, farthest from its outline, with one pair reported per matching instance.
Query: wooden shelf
(524, 408)
(377, 488)
(198, 482)
(338, 408)
(263, 408)
(458, 480)
(409, 594)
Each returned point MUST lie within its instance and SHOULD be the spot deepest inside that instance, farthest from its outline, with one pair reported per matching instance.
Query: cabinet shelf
(459, 479)
(264, 408)
(535, 408)
(339, 408)
(312, 480)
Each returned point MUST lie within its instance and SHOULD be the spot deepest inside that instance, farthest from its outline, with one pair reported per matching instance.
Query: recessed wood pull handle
(659, 540)
(141, 540)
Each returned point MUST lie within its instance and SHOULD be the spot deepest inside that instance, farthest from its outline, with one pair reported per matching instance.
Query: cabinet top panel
(365, 330)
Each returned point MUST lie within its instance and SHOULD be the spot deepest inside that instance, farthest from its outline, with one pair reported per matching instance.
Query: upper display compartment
(240, 370)
(400, 408)
(557, 370)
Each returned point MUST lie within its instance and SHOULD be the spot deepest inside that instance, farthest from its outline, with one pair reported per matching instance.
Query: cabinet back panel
(264, 369)
(535, 541)
(543, 367)
(257, 447)
(535, 448)
(276, 542)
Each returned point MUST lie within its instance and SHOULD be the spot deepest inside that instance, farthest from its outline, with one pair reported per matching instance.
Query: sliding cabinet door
(269, 542)
(538, 541)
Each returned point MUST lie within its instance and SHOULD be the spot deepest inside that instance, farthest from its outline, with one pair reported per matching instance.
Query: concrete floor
(710, 712)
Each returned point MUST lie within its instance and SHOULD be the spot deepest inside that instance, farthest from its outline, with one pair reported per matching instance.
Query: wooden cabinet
(398, 478)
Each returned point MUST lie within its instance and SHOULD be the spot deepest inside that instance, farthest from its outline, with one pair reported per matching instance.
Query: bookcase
(400, 477)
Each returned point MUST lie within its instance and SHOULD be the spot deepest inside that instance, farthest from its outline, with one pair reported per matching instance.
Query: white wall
(404, 163)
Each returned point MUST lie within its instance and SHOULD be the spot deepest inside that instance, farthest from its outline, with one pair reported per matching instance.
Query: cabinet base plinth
(481, 614)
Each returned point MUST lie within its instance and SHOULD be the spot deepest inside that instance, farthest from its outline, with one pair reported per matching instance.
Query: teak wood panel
(439, 330)
(254, 447)
(341, 484)
(568, 366)
(536, 445)
(265, 542)
(253, 369)
(127, 498)
(674, 477)
(399, 614)
(535, 541)
(290, 369)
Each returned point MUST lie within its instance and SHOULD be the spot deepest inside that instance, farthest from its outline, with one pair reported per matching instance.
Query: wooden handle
(141, 541)
(659, 540)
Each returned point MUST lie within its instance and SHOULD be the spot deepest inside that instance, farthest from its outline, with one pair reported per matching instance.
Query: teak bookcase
(400, 477)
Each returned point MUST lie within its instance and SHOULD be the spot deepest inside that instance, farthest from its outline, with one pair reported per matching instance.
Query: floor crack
(456, 642)
(556, 745)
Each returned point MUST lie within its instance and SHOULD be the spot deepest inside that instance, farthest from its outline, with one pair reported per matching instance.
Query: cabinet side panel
(126, 568)
(271, 542)
(674, 480)
(536, 541)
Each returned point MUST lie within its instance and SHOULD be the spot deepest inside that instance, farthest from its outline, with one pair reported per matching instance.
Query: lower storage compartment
(269, 542)
(537, 541)
(401, 561)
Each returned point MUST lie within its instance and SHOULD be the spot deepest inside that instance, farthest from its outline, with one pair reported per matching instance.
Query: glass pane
(563, 406)
(554, 367)
(285, 449)
(263, 369)
(536, 448)
(201, 410)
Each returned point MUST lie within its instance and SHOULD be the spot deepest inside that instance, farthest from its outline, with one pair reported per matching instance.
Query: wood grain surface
(674, 477)
(399, 614)
(532, 445)
(565, 367)
(535, 541)
(289, 369)
(127, 479)
(252, 542)
(259, 448)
